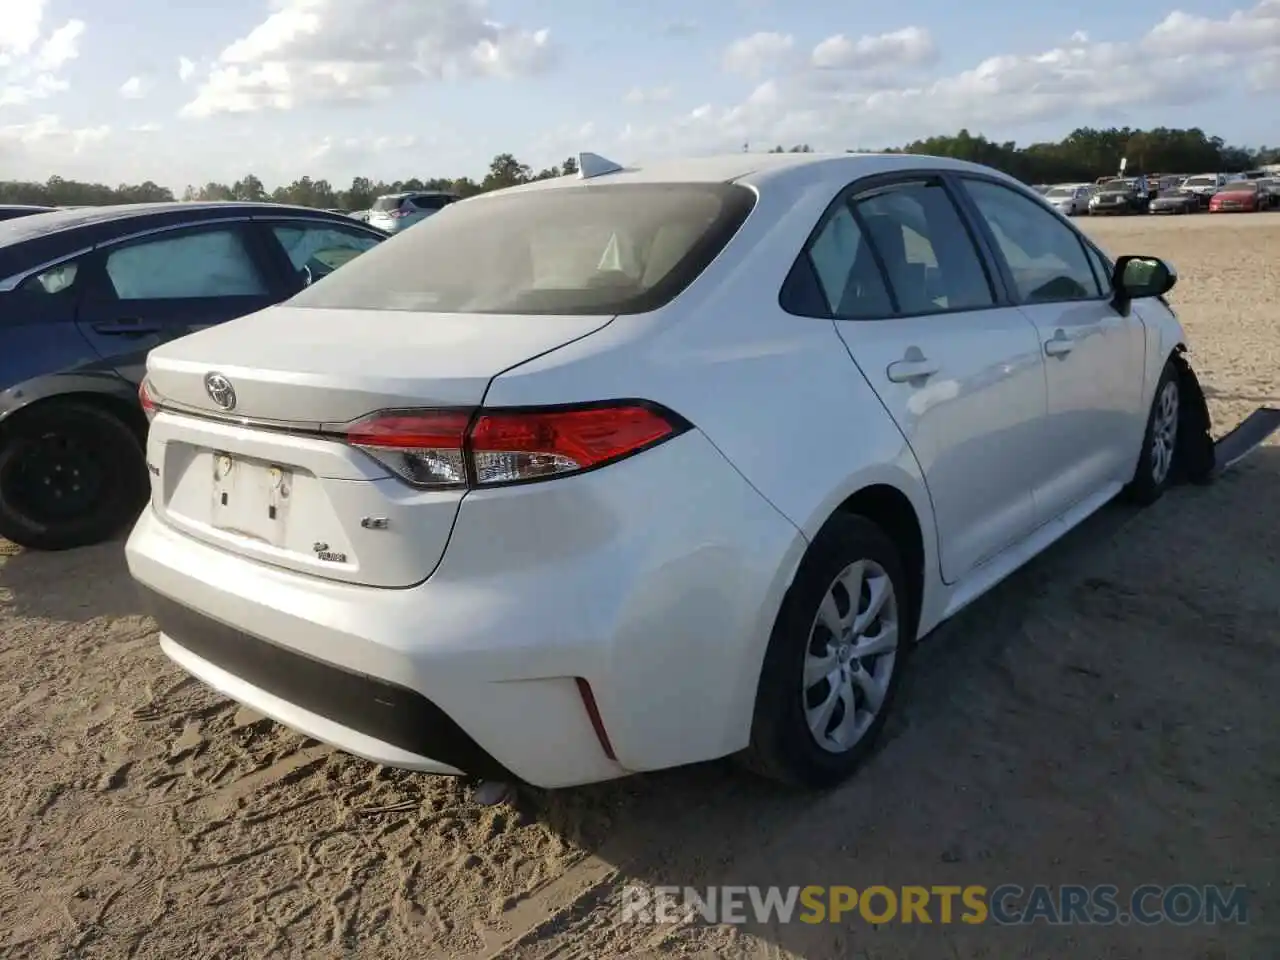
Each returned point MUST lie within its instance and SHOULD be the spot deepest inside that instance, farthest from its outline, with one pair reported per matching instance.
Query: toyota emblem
(220, 390)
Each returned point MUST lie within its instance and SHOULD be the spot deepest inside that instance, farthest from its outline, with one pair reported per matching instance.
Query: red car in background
(1239, 196)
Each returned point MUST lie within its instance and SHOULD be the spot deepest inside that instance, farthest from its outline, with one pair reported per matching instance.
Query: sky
(187, 91)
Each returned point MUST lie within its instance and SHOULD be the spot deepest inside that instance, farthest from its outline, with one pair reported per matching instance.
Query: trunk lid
(308, 366)
(276, 492)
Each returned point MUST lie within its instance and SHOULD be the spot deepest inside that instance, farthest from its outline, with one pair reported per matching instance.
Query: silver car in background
(396, 212)
(1071, 199)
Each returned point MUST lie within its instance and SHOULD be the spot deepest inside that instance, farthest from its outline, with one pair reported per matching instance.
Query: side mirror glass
(1139, 277)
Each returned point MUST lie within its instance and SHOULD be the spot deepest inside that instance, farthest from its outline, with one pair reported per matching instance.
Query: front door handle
(1059, 346)
(130, 327)
(914, 366)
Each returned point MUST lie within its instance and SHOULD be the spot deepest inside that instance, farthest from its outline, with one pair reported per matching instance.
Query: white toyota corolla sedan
(648, 466)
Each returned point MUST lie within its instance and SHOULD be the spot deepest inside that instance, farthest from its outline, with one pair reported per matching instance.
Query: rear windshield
(383, 204)
(597, 249)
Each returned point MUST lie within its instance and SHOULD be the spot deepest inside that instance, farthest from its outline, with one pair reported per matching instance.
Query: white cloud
(1181, 60)
(758, 53)
(327, 51)
(186, 69)
(31, 60)
(649, 94)
(133, 89)
(910, 46)
(50, 133)
(151, 127)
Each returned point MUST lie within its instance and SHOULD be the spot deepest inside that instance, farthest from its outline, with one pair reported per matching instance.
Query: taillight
(442, 449)
(424, 447)
(147, 397)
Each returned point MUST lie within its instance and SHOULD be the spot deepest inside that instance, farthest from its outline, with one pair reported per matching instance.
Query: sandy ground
(1101, 718)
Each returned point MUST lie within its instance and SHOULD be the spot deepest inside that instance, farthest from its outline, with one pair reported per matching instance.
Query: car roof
(759, 170)
(53, 221)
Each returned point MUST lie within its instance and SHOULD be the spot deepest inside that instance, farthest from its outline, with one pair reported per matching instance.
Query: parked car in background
(1269, 192)
(1238, 196)
(521, 508)
(84, 295)
(1204, 185)
(397, 212)
(1041, 188)
(1071, 199)
(1175, 201)
(361, 215)
(1120, 196)
(11, 211)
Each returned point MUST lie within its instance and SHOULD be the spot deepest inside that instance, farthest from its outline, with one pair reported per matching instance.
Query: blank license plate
(251, 498)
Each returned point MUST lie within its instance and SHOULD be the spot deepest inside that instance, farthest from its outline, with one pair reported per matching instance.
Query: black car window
(431, 203)
(202, 263)
(320, 248)
(1045, 256)
(931, 261)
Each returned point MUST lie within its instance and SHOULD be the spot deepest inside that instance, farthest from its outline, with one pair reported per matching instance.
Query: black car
(11, 211)
(1121, 196)
(84, 295)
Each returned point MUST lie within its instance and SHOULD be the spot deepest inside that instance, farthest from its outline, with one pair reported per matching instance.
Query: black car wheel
(70, 475)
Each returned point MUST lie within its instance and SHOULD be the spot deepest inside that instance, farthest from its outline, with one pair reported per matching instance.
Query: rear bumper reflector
(593, 712)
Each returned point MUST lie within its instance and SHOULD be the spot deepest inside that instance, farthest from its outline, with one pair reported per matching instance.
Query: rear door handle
(125, 328)
(902, 371)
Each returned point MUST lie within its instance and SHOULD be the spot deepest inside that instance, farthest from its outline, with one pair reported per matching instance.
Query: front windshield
(1199, 181)
(1116, 186)
(1239, 186)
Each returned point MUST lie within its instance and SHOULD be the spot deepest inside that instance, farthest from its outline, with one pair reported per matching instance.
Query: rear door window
(928, 255)
(201, 263)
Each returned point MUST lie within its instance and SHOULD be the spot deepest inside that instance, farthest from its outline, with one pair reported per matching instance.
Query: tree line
(1084, 155)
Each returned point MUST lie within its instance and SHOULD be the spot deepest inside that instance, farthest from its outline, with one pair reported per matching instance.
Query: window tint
(430, 203)
(846, 271)
(594, 249)
(320, 249)
(931, 262)
(210, 263)
(1045, 256)
(55, 280)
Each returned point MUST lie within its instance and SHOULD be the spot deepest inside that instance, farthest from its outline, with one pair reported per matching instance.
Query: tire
(1155, 468)
(70, 475)
(783, 747)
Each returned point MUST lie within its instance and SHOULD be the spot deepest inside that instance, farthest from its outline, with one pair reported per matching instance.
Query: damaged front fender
(1194, 457)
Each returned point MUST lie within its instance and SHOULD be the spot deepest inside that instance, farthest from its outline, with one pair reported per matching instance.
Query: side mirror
(1138, 277)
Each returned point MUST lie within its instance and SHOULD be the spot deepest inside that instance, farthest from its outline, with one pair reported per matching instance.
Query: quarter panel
(777, 394)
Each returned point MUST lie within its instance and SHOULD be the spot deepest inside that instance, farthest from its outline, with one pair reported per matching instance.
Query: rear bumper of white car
(644, 591)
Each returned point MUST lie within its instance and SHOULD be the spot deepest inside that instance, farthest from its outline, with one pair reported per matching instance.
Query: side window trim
(993, 267)
(997, 254)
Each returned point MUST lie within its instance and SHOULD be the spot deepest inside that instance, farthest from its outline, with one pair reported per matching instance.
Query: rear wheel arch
(127, 411)
(891, 510)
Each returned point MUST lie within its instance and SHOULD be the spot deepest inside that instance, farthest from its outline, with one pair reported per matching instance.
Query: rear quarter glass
(583, 250)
